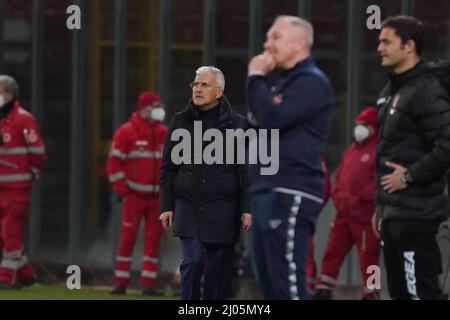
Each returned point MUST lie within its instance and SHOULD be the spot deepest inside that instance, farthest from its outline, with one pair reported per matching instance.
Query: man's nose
(379, 48)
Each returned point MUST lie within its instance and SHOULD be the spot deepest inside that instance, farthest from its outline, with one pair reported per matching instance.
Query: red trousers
(133, 210)
(344, 234)
(14, 206)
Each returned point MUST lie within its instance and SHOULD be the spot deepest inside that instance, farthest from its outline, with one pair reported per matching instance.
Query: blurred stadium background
(82, 84)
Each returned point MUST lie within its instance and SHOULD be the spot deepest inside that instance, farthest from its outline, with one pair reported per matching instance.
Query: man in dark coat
(204, 201)
(413, 156)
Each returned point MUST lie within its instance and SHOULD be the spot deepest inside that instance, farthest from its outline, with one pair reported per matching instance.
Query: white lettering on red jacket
(22, 152)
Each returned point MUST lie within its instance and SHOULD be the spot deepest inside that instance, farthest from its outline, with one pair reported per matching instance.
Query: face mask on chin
(157, 114)
(360, 133)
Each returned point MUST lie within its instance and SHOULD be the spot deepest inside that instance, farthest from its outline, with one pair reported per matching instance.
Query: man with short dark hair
(413, 156)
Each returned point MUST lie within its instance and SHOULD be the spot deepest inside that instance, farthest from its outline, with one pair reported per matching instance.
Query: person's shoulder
(239, 120)
(237, 116)
(124, 129)
(310, 74)
(431, 83)
(426, 88)
(181, 116)
(24, 114)
(23, 117)
(162, 127)
(318, 75)
(312, 79)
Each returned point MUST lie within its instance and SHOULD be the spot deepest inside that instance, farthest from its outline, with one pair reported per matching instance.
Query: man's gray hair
(301, 23)
(9, 84)
(216, 72)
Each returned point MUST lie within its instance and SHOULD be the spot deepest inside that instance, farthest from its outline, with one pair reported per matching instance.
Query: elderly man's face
(283, 42)
(205, 92)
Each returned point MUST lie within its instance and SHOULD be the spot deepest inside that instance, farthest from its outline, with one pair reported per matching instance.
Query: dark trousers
(282, 227)
(412, 259)
(213, 261)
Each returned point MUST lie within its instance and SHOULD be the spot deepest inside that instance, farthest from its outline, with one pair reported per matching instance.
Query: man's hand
(166, 219)
(261, 64)
(376, 225)
(392, 182)
(246, 219)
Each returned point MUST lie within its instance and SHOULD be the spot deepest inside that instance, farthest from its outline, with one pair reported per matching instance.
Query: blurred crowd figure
(353, 194)
(22, 156)
(133, 170)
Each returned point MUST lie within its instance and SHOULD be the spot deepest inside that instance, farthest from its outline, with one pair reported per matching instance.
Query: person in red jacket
(353, 195)
(22, 156)
(133, 170)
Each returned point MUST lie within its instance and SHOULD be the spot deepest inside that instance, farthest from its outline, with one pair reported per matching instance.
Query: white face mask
(2, 101)
(361, 133)
(158, 114)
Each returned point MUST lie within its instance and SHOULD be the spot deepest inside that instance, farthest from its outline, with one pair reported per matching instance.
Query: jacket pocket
(186, 184)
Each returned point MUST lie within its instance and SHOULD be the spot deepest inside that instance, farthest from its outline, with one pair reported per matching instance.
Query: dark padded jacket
(207, 199)
(414, 117)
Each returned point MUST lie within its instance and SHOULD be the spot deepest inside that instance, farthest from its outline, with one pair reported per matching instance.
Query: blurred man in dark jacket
(287, 204)
(413, 156)
(205, 203)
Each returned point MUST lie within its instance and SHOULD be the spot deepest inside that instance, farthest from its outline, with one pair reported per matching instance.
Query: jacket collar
(139, 123)
(225, 112)
(9, 108)
(301, 65)
(399, 79)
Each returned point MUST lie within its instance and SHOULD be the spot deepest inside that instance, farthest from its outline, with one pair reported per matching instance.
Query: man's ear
(219, 93)
(410, 46)
(300, 44)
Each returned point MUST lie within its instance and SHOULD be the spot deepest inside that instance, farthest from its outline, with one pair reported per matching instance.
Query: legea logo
(233, 143)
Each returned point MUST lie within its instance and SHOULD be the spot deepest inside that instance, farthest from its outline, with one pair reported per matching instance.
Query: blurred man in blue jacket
(286, 205)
